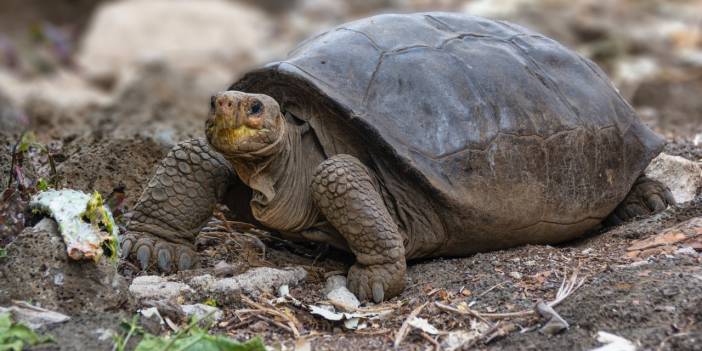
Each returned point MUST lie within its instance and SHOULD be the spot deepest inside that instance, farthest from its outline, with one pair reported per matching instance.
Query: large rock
(682, 176)
(194, 35)
(251, 282)
(37, 268)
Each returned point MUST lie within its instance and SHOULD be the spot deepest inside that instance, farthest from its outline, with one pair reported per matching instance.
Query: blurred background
(108, 86)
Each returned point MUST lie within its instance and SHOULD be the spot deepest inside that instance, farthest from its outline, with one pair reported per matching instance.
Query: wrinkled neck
(280, 178)
(257, 169)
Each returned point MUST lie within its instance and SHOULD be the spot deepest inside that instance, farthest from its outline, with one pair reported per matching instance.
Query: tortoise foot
(646, 197)
(379, 282)
(153, 253)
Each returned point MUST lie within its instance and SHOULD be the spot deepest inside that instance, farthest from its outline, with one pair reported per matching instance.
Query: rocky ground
(101, 118)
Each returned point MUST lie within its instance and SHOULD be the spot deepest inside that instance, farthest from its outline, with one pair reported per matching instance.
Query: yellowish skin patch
(230, 136)
(233, 134)
(242, 131)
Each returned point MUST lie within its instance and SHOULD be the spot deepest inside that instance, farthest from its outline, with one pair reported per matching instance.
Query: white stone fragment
(152, 313)
(152, 287)
(456, 339)
(252, 281)
(32, 316)
(340, 295)
(682, 176)
(423, 325)
(613, 343)
(201, 311)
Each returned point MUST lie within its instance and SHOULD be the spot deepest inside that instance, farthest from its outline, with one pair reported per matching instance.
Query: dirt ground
(655, 302)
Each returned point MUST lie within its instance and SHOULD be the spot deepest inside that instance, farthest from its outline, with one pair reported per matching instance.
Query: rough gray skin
(406, 136)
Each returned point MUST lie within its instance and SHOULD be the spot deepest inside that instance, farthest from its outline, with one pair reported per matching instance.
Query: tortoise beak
(225, 109)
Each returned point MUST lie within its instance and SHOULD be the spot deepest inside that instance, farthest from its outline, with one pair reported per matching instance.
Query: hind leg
(646, 197)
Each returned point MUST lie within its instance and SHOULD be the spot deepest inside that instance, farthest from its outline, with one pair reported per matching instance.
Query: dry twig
(567, 288)
(433, 341)
(291, 320)
(274, 322)
(404, 329)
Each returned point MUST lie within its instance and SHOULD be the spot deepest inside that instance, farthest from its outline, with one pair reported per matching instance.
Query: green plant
(132, 328)
(16, 336)
(211, 302)
(190, 338)
(27, 141)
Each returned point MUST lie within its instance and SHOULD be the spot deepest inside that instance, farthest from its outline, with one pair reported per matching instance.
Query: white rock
(152, 313)
(187, 34)
(682, 176)
(334, 282)
(697, 140)
(340, 295)
(201, 311)
(252, 281)
(153, 287)
(613, 343)
(423, 325)
(32, 316)
(496, 8)
(64, 90)
(456, 339)
(636, 69)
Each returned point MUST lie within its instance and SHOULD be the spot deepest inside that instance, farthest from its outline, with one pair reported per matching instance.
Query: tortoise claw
(144, 256)
(151, 251)
(164, 260)
(185, 261)
(656, 203)
(378, 292)
(126, 248)
(378, 282)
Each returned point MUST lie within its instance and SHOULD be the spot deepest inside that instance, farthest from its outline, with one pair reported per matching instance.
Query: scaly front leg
(176, 203)
(344, 192)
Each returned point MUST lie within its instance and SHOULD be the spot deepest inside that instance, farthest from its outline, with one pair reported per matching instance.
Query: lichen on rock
(85, 223)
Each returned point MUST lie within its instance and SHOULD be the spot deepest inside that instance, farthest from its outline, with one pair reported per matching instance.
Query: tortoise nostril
(229, 104)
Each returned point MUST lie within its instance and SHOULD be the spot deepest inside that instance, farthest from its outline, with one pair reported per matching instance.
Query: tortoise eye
(255, 108)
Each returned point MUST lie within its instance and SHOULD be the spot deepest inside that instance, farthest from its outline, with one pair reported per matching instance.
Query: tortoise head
(241, 123)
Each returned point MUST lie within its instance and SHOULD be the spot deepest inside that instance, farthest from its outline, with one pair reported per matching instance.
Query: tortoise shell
(508, 136)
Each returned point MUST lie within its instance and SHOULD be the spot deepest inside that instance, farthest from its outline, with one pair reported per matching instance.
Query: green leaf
(198, 341)
(3, 252)
(5, 322)
(43, 185)
(211, 302)
(15, 336)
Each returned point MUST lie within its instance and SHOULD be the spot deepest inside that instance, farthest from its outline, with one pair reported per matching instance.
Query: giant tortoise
(397, 137)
